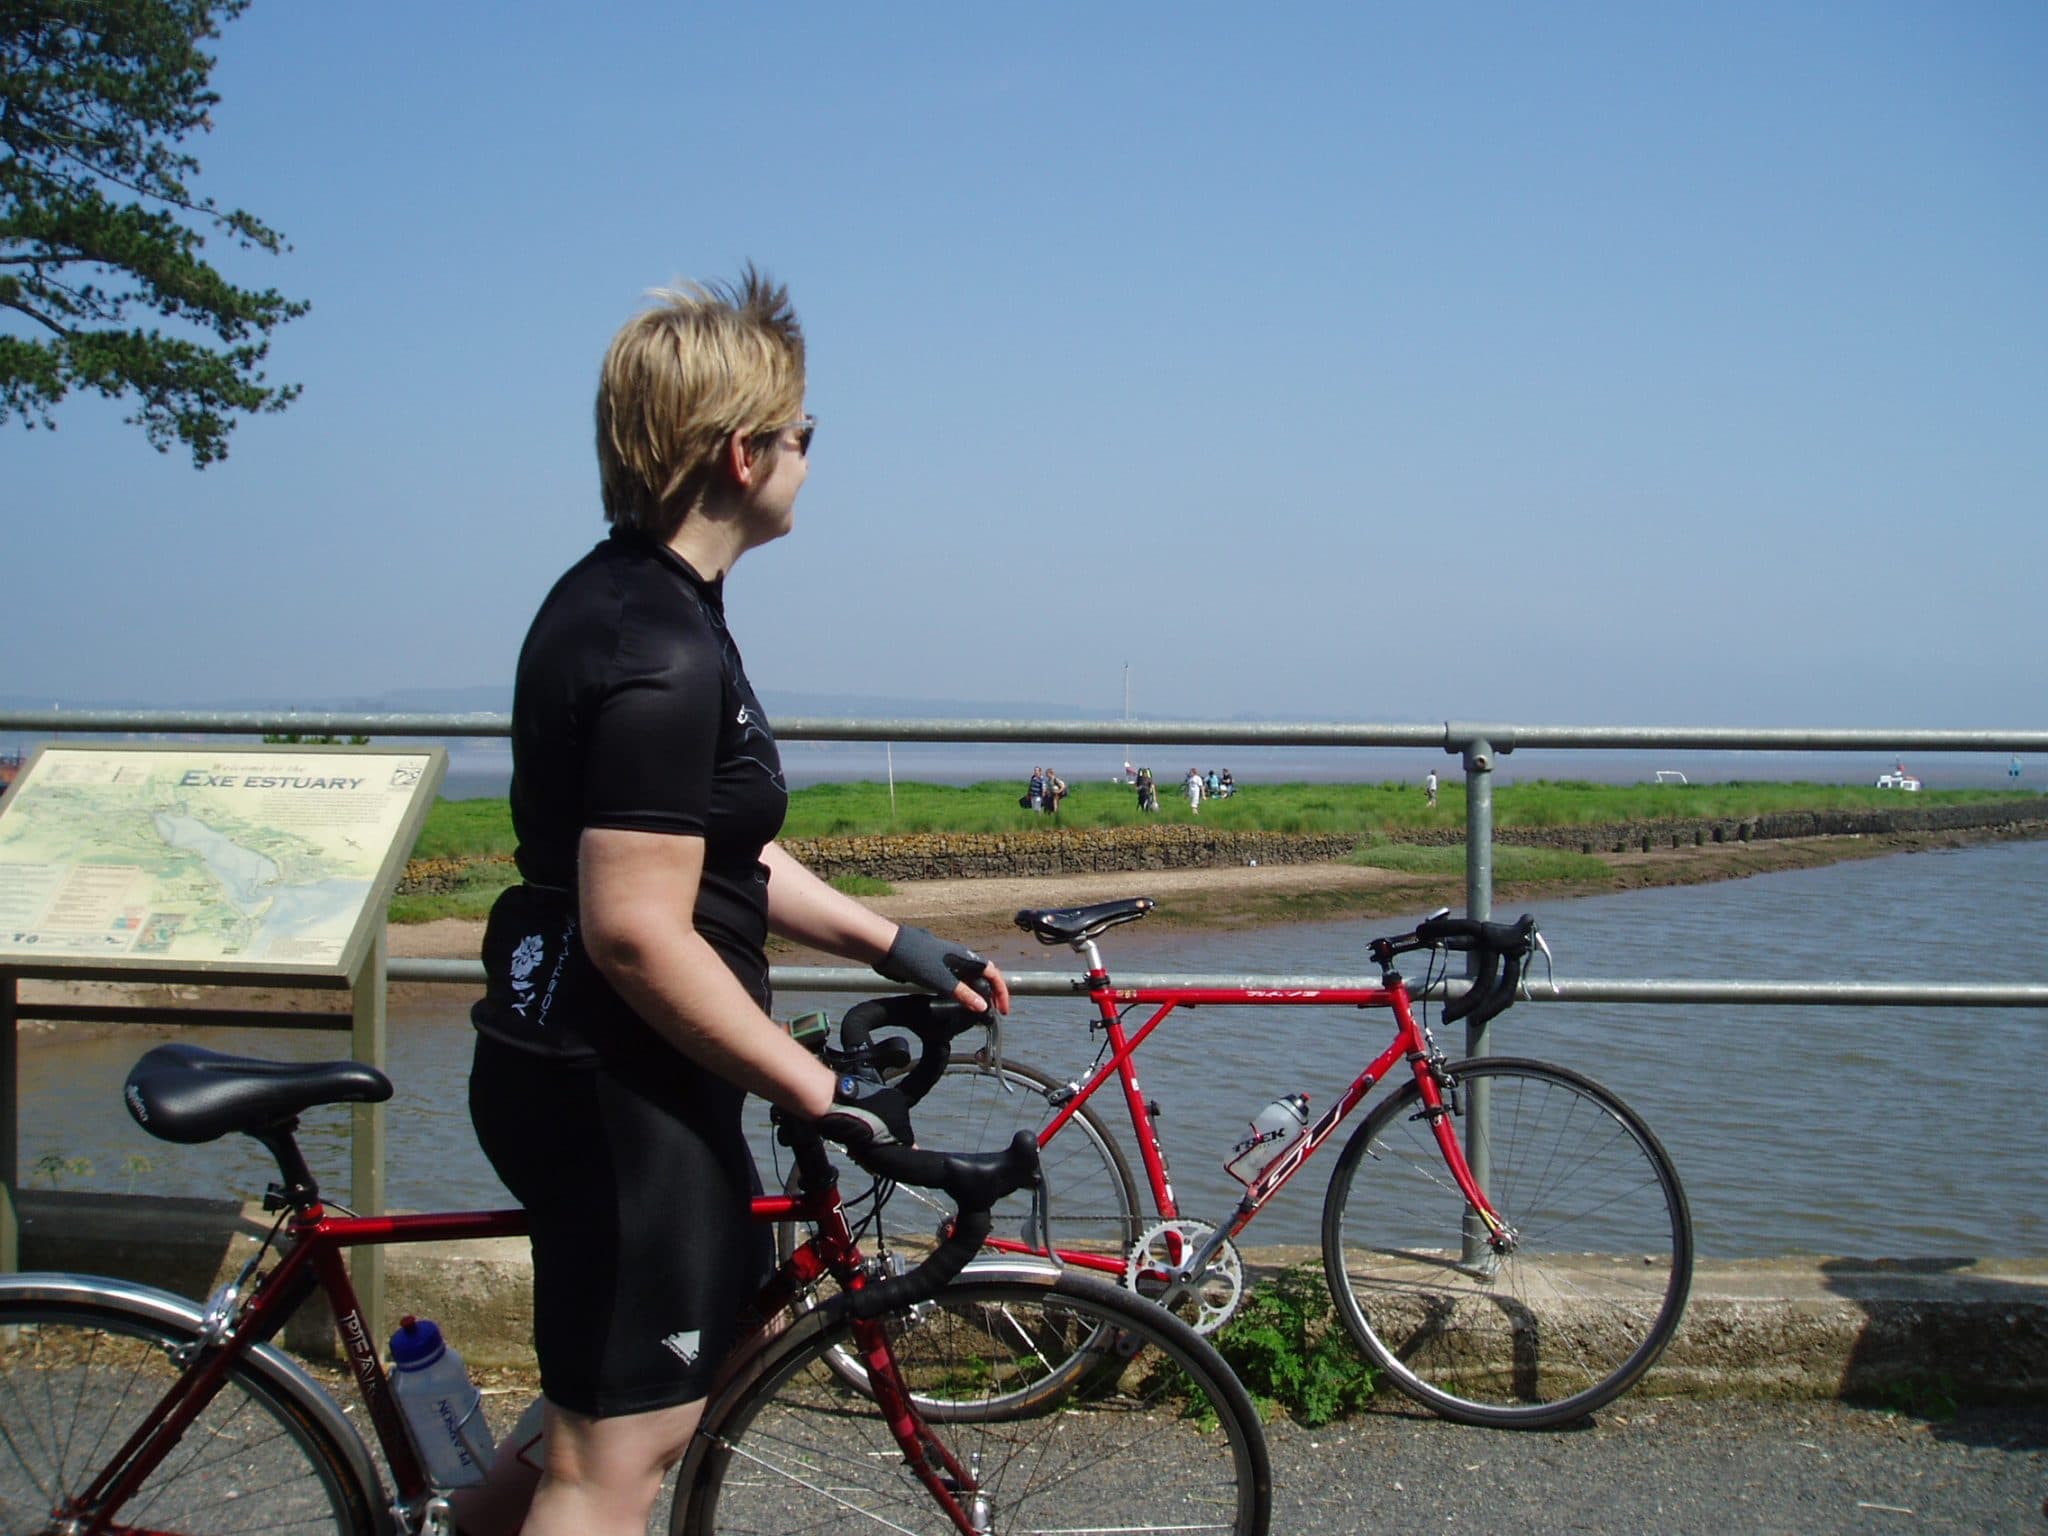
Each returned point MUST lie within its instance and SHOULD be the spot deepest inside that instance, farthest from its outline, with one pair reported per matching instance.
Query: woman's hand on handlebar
(867, 1113)
(920, 958)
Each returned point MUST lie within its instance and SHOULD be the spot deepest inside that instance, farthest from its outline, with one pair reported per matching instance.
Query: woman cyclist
(625, 1018)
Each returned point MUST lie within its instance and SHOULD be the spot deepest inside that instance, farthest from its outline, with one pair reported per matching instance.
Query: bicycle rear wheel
(1158, 1437)
(77, 1379)
(1093, 1198)
(1595, 1282)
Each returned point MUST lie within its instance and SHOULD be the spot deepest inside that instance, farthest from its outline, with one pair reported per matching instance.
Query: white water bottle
(443, 1408)
(1274, 1129)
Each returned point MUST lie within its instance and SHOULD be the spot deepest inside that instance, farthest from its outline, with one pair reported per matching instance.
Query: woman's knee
(637, 1448)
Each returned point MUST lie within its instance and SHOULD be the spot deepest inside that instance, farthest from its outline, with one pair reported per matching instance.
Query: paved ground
(1673, 1467)
(1723, 1468)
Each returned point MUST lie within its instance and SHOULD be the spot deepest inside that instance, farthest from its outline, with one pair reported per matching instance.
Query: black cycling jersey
(630, 710)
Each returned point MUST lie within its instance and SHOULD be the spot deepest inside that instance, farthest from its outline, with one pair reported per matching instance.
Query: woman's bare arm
(636, 894)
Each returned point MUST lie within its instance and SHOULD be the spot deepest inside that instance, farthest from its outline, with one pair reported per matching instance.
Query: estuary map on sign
(264, 859)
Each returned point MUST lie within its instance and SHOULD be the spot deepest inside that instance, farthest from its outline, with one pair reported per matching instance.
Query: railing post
(1478, 758)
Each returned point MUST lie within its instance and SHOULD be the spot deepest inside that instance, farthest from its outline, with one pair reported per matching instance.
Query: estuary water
(1869, 1132)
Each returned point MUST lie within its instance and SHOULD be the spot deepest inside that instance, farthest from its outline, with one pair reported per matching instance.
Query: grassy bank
(464, 851)
(482, 828)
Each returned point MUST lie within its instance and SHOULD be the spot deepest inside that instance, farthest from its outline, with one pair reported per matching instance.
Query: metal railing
(1478, 745)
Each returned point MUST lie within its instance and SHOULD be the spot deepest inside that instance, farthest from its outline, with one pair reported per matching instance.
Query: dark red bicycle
(1006, 1399)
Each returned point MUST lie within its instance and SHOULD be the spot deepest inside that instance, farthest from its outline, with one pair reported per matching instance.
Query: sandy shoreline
(979, 911)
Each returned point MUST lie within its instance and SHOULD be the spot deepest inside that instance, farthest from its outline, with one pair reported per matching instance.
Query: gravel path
(1675, 1467)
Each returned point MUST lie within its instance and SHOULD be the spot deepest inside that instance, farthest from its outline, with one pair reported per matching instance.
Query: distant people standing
(1055, 792)
(1148, 791)
(1429, 787)
(1036, 794)
(1228, 787)
(1194, 789)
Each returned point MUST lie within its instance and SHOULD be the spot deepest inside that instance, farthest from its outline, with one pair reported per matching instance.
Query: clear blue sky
(1573, 363)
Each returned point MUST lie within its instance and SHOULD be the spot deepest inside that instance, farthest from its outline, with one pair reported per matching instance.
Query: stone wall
(1620, 837)
(937, 856)
(1103, 850)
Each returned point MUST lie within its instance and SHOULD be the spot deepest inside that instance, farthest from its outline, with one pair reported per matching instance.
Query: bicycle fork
(957, 1489)
(1487, 1238)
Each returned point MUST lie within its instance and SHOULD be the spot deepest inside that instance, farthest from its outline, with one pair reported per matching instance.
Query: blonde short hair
(706, 361)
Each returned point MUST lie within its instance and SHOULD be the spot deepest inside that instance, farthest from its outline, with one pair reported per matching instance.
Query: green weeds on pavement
(1288, 1348)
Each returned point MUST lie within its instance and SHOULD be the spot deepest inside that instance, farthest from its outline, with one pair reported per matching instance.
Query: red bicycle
(1504, 1237)
(1010, 1398)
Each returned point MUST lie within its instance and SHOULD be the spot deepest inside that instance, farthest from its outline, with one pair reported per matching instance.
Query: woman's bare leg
(602, 1475)
(597, 1477)
(497, 1506)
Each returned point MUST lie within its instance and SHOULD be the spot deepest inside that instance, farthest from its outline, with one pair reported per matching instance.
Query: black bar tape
(935, 1024)
(930, 1277)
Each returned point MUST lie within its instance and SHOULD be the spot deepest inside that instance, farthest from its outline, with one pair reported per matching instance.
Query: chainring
(1161, 1257)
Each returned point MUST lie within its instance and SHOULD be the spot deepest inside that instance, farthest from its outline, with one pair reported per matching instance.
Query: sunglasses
(805, 428)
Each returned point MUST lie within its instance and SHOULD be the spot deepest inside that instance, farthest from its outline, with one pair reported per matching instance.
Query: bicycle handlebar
(974, 1181)
(1502, 948)
(1468, 933)
(932, 1020)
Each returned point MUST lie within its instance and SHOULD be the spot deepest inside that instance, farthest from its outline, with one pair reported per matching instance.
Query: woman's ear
(741, 459)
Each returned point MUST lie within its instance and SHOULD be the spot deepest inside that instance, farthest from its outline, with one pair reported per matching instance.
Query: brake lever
(1549, 963)
(993, 1023)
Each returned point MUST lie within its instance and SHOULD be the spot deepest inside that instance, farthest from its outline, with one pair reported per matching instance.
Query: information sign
(273, 860)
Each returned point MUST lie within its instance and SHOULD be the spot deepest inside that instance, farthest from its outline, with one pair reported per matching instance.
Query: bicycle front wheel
(77, 1378)
(1159, 1437)
(1093, 1204)
(1596, 1269)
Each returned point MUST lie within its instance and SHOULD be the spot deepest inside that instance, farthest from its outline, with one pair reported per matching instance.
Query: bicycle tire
(969, 1107)
(1575, 1314)
(1167, 1441)
(76, 1378)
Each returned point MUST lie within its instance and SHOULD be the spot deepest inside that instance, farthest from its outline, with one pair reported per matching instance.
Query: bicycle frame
(1112, 1001)
(313, 1261)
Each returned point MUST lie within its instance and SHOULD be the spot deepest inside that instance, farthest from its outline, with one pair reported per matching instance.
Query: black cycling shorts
(638, 1184)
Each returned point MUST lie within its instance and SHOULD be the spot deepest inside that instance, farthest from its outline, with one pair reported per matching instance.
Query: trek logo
(683, 1346)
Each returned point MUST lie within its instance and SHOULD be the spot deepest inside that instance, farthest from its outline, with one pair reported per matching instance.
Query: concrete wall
(1972, 1331)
